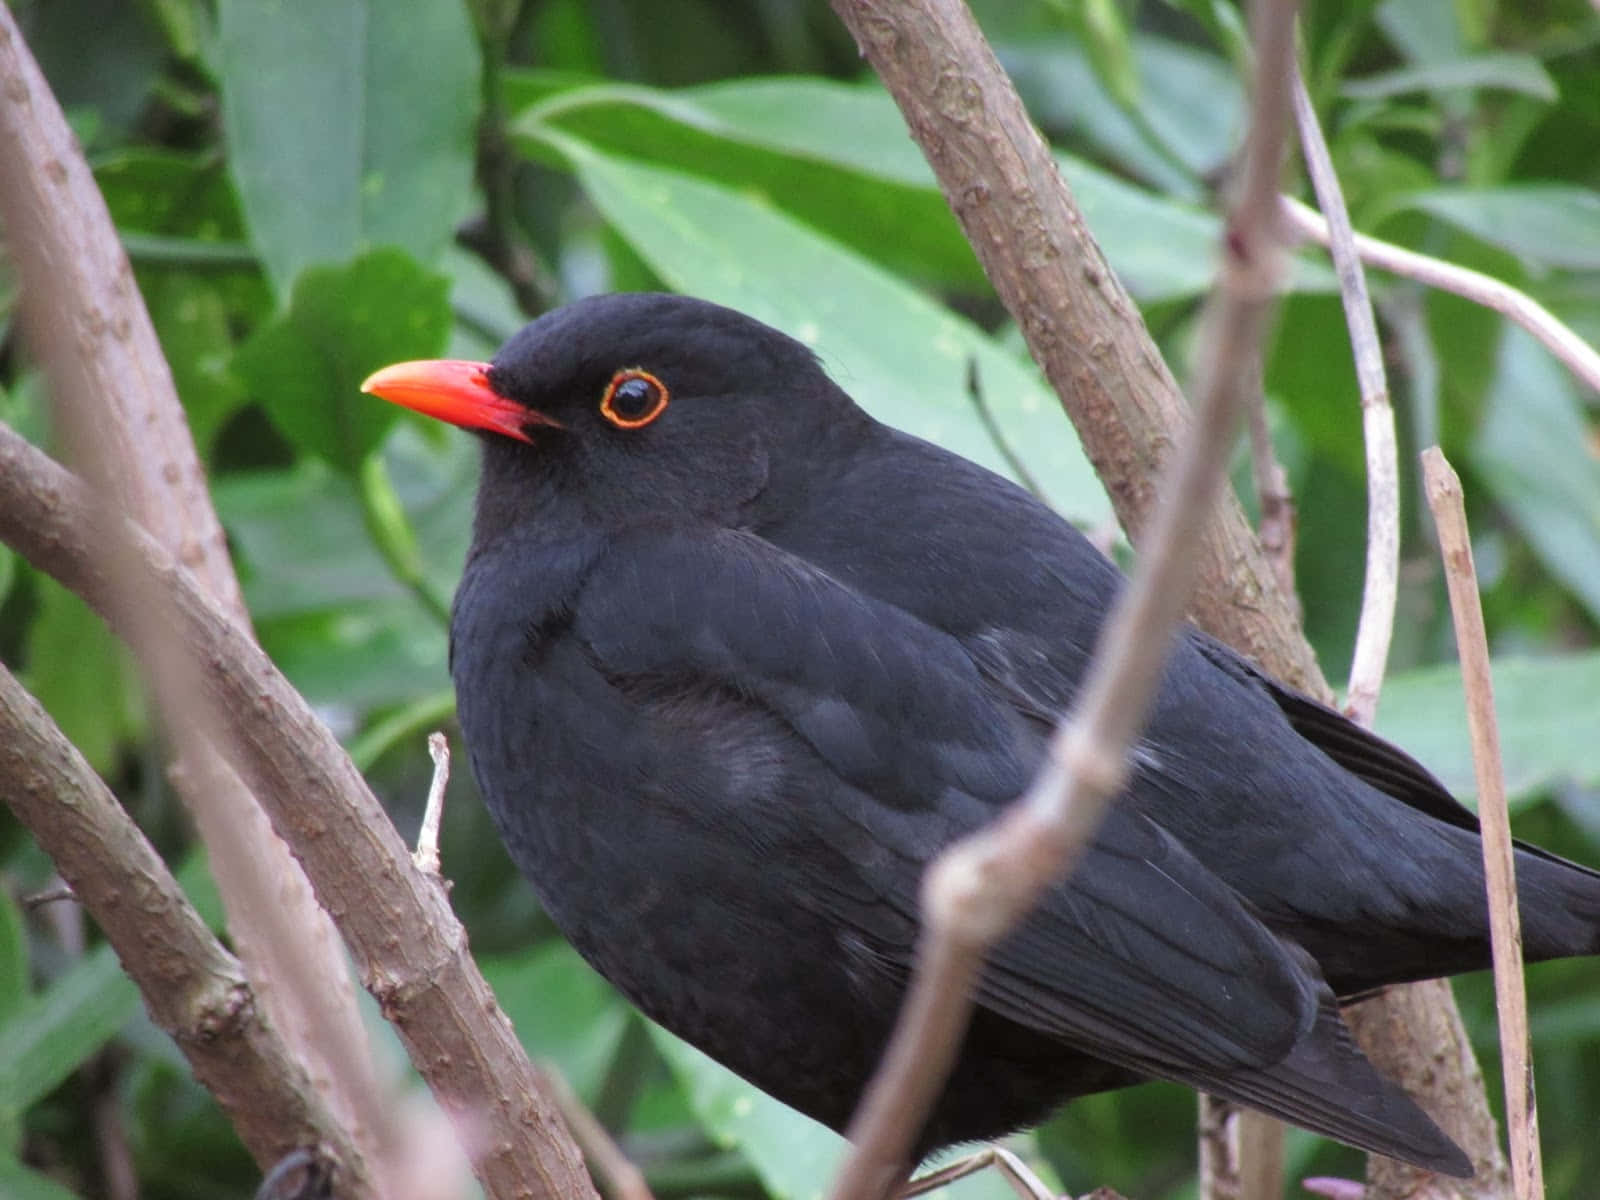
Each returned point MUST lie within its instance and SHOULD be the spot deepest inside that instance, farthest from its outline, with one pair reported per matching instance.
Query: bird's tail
(1327, 1085)
(1559, 905)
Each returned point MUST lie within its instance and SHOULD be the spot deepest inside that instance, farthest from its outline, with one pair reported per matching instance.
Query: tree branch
(1582, 359)
(408, 945)
(194, 989)
(88, 324)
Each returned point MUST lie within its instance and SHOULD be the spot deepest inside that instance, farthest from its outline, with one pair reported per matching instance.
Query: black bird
(734, 661)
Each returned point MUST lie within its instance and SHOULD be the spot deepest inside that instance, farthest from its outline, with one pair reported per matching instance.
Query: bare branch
(619, 1178)
(408, 945)
(1381, 589)
(980, 887)
(1505, 925)
(193, 988)
(87, 323)
(1393, 1046)
(1582, 359)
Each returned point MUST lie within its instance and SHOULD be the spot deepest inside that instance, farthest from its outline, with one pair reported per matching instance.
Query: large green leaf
(785, 139)
(1167, 139)
(904, 357)
(838, 157)
(306, 366)
(1546, 708)
(58, 1029)
(1536, 450)
(349, 124)
(1549, 225)
(1506, 72)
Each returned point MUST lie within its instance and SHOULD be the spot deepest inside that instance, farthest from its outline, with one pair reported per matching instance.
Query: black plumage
(732, 669)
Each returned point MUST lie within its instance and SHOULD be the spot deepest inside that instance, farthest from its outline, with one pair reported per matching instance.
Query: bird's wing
(1364, 754)
(1145, 956)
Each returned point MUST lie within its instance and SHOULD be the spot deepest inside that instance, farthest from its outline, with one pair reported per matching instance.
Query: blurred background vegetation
(309, 191)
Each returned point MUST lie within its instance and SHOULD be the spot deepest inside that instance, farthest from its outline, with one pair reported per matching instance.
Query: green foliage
(306, 365)
(301, 189)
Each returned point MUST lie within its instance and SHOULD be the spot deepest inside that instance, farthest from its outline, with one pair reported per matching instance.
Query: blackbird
(734, 661)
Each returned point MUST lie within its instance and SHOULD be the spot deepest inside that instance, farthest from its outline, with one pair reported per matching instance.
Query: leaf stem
(391, 531)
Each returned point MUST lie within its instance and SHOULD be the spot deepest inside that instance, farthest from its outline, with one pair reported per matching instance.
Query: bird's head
(631, 405)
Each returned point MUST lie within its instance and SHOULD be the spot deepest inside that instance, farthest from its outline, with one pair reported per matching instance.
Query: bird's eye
(633, 399)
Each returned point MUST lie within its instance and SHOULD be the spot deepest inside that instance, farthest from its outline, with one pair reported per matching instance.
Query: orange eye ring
(633, 399)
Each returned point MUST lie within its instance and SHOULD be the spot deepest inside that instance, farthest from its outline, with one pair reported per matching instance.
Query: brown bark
(116, 402)
(193, 988)
(410, 949)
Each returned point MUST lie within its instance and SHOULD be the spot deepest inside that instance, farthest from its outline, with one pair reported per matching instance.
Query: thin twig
(1016, 1173)
(1381, 588)
(980, 887)
(619, 1178)
(1241, 1152)
(426, 855)
(1505, 927)
(998, 435)
(1582, 359)
(1440, 1091)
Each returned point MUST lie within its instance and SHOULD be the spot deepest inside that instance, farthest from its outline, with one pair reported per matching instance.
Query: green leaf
(562, 1011)
(1168, 141)
(19, 1182)
(80, 673)
(904, 357)
(349, 125)
(1105, 31)
(98, 55)
(192, 319)
(302, 541)
(1536, 450)
(782, 138)
(328, 609)
(838, 157)
(13, 958)
(795, 1156)
(344, 322)
(163, 191)
(1546, 709)
(1546, 224)
(1504, 72)
(58, 1029)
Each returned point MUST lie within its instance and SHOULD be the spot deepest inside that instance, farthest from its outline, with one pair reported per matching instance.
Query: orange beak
(457, 392)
